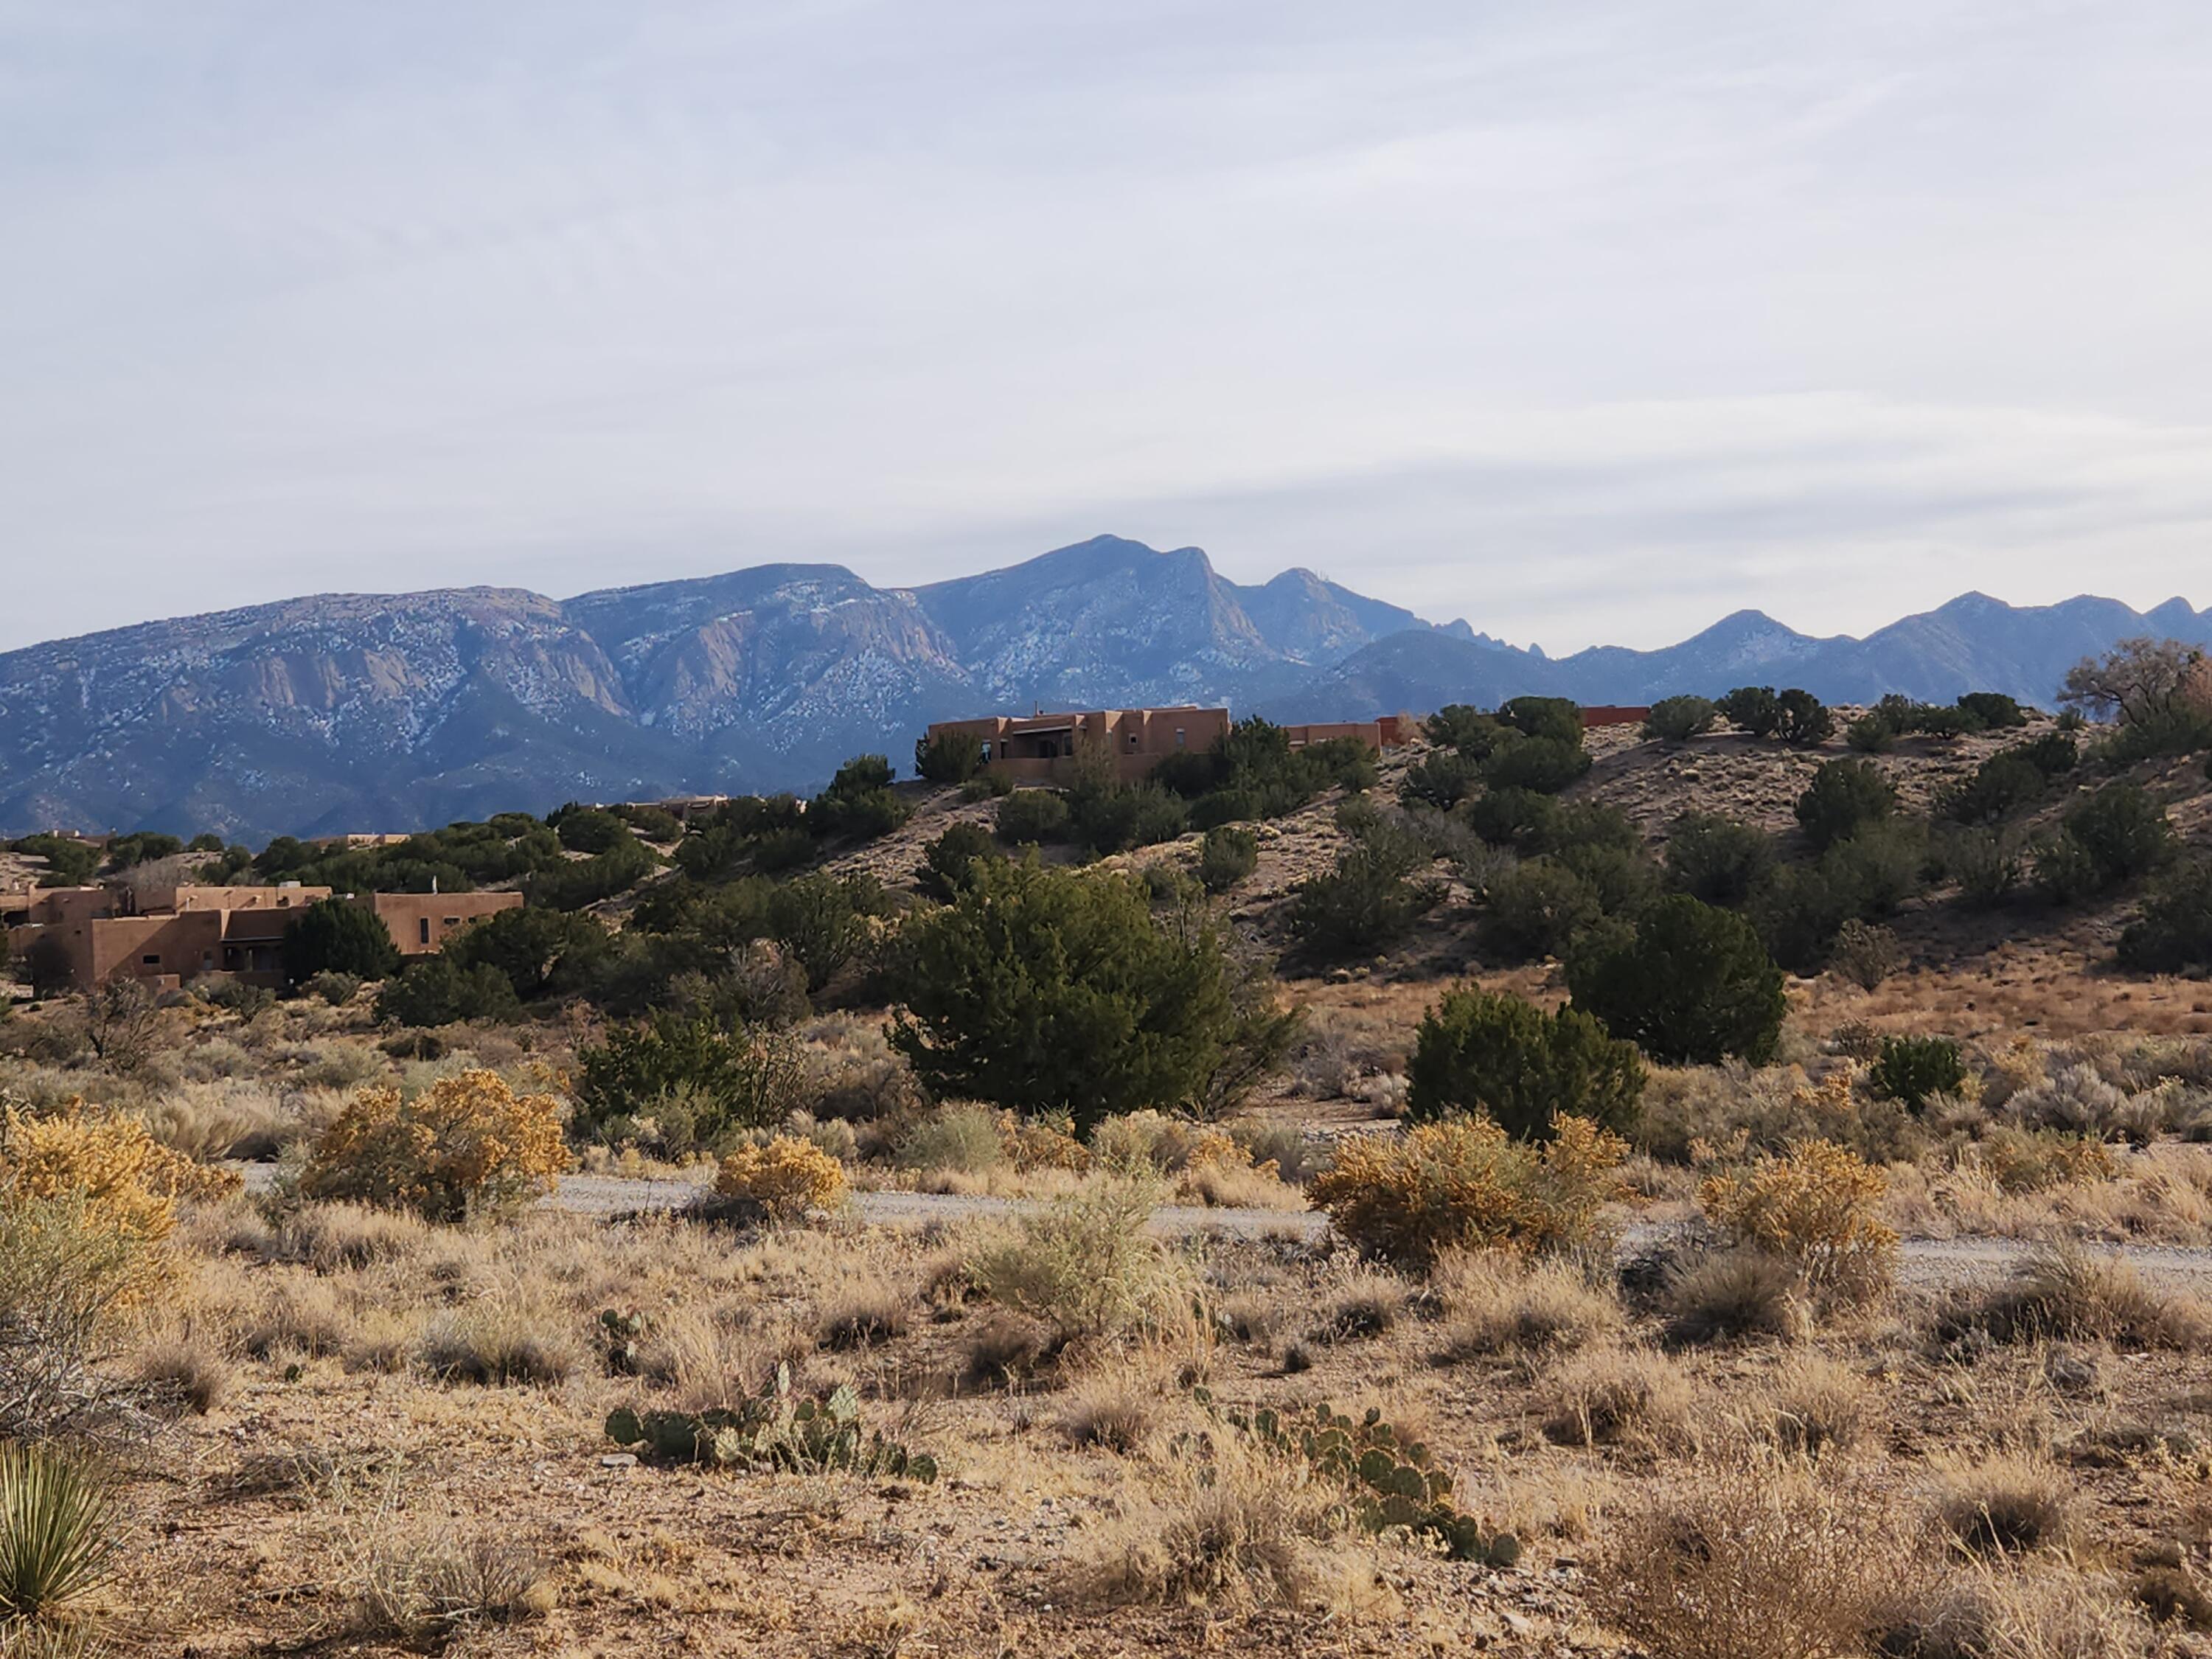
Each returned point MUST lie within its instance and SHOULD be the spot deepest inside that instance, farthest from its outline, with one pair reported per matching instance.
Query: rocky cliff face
(360, 712)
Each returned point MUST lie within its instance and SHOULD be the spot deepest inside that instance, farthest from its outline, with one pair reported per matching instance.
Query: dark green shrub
(1466, 728)
(2054, 754)
(700, 1083)
(1442, 778)
(948, 757)
(1031, 817)
(438, 991)
(2062, 871)
(1049, 992)
(2125, 832)
(1677, 720)
(1752, 708)
(1226, 857)
(1798, 911)
(588, 828)
(822, 921)
(572, 885)
(334, 936)
(69, 863)
(1526, 821)
(987, 786)
(1994, 709)
(1622, 877)
(1806, 721)
(1871, 734)
(2171, 934)
(1693, 984)
(1222, 806)
(1554, 720)
(1369, 899)
(1546, 764)
(1505, 1059)
(1845, 796)
(1536, 909)
(140, 847)
(1910, 1069)
(652, 823)
(1986, 865)
(2007, 781)
(1880, 867)
(540, 952)
(860, 803)
(946, 861)
(1119, 816)
(1935, 720)
(1715, 858)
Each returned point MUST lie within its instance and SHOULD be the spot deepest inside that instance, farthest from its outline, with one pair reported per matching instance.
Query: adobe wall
(419, 923)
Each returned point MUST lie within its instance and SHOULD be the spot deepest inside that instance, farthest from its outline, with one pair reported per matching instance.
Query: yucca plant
(57, 1540)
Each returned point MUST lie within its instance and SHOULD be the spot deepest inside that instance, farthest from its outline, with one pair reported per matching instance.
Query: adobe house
(1043, 749)
(166, 935)
(419, 922)
(162, 935)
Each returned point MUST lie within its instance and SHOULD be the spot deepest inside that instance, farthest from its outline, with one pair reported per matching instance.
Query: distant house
(1048, 748)
(166, 935)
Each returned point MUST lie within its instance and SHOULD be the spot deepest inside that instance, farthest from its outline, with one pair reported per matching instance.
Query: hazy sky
(1586, 321)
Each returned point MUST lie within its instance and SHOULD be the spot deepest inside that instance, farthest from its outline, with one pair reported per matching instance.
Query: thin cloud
(1584, 322)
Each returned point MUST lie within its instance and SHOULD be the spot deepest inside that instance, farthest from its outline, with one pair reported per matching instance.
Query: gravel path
(1932, 1263)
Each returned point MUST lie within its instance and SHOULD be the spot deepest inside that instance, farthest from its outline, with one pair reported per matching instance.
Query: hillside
(2022, 966)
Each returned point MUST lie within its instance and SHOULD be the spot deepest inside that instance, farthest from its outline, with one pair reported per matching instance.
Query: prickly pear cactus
(1392, 1480)
(774, 1430)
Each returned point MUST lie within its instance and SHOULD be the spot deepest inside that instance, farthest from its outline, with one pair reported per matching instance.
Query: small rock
(619, 1461)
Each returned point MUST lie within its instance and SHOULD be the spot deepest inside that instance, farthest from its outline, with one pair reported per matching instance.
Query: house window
(452, 921)
(423, 924)
(151, 960)
(1178, 737)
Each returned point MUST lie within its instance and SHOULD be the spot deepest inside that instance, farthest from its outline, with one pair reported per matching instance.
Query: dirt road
(1932, 1263)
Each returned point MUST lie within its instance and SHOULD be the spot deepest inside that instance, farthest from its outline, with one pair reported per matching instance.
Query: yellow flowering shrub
(117, 1182)
(1819, 1204)
(1465, 1182)
(786, 1176)
(1042, 1143)
(468, 1142)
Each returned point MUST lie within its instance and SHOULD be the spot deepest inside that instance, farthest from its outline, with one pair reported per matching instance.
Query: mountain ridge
(338, 712)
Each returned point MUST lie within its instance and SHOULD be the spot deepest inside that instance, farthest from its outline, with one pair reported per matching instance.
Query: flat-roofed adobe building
(165, 936)
(1044, 749)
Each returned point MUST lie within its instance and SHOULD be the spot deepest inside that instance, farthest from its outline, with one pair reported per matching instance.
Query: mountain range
(357, 712)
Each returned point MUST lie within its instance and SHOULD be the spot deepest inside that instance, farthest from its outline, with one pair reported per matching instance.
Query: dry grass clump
(1748, 1561)
(1604, 1396)
(1815, 1405)
(1002, 1347)
(409, 1580)
(501, 1341)
(1729, 1295)
(864, 1312)
(1495, 1303)
(185, 1364)
(233, 1117)
(1219, 1172)
(1358, 1304)
(339, 1237)
(2006, 1504)
(961, 1136)
(2001, 1610)
(1224, 1527)
(2079, 1296)
(280, 1315)
(1120, 1404)
(1085, 1265)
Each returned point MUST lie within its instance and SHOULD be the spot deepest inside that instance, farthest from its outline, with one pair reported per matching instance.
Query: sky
(1589, 321)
